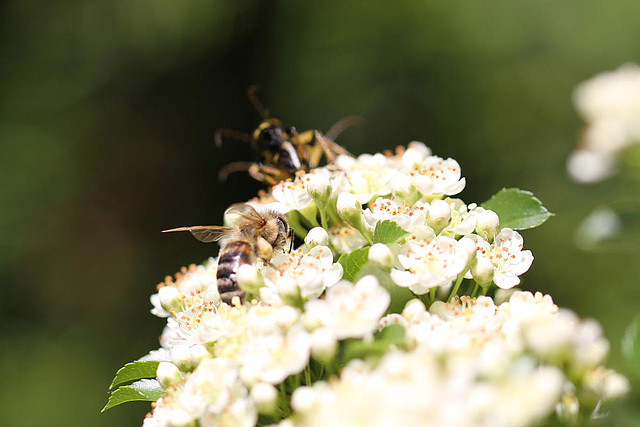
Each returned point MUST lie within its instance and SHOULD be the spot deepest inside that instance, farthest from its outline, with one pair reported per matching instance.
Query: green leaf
(388, 232)
(517, 209)
(391, 336)
(631, 343)
(352, 263)
(135, 371)
(143, 390)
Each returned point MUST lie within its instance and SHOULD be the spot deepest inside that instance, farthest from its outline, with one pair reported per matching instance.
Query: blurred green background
(107, 116)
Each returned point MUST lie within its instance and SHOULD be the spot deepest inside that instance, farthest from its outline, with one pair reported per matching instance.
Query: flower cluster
(610, 104)
(443, 238)
(381, 317)
(465, 357)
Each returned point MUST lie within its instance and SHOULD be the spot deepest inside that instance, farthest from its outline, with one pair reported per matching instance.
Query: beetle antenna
(253, 98)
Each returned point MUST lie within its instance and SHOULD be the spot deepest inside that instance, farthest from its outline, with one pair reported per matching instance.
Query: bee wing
(240, 211)
(205, 233)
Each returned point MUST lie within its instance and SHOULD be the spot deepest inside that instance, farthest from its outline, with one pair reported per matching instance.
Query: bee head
(276, 230)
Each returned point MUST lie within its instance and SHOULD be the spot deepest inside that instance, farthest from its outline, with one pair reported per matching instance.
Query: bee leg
(264, 249)
(232, 168)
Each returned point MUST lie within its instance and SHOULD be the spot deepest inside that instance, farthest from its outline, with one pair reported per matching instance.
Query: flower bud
(289, 291)
(181, 418)
(199, 353)
(265, 397)
(181, 357)
(167, 374)
(317, 236)
(487, 223)
(439, 215)
(170, 298)
(413, 309)
(380, 254)
(287, 316)
(310, 321)
(403, 188)
(324, 344)
(319, 188)
(304, 399)
(349, 208)
(249, 375)
(482, 271)
(438, 308)
(249, 278)
(467, 246)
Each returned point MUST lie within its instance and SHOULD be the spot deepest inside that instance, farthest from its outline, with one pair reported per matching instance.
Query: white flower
(429, 264)
(601, 224)
(346, 239)
(507, 257)
(351, 310)
(463, 218)
(191, 286)
(606, 384)
(313, 271)
(368, 175)
(213, 392)
(435, 176)
(586, 166)
(291, 195)
(276, 356)
(386, 208)
(610, 104)
(611, 94)
(199, 324)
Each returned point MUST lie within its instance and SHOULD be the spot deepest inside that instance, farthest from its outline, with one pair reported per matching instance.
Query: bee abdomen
(232, 256)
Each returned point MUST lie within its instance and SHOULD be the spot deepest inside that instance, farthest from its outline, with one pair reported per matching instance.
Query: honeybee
(252, 236)
(282, 150)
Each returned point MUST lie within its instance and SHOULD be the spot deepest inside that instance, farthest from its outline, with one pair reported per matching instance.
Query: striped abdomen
(232, 256)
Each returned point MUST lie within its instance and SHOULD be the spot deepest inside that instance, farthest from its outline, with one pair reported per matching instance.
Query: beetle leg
(232, 168)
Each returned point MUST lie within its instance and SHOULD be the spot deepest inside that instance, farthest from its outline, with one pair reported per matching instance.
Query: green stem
(455, 288)
(323, 218)
(307, 376)
(475, 290)
(432, 295)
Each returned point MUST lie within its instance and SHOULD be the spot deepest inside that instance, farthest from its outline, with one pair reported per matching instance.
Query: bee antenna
(230, 133)
(253, 98)
(292, 238)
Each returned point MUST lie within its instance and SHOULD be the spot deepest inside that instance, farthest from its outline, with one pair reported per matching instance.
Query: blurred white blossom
(610, 105)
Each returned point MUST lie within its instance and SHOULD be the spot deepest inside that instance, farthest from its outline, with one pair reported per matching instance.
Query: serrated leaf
(352, 263)
(517, 209)
(135, 371)
(143, 390)
(631, 343)
(388, 232)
